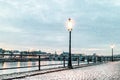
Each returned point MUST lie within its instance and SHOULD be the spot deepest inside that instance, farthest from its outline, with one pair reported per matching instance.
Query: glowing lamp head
(69, 24)
(112, 46)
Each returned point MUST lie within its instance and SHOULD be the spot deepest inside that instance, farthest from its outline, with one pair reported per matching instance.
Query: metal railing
(26, 58)
(39, 58)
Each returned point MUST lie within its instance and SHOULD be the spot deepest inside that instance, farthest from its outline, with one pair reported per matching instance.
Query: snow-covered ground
(107, 71)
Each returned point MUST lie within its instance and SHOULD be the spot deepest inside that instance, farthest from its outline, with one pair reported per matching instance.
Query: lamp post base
(70, 67)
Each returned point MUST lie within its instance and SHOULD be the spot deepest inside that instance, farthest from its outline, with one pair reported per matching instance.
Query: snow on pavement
(108, 71)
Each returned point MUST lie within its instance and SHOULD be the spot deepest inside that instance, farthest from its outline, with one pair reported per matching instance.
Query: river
(23, 64)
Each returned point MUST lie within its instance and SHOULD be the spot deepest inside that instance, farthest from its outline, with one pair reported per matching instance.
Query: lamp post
(69, 26)
(112, 46)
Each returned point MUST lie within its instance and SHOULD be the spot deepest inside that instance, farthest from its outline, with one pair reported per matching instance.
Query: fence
(76, 60)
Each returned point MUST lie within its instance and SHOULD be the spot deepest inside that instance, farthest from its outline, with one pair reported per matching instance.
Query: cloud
(9, 29)
(42, 23)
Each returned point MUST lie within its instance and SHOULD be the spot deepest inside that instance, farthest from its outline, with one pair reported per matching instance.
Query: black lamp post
(112, 54)
(112, 46)
(69, 27)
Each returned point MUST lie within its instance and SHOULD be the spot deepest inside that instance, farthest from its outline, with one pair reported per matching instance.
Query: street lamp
(69, 25)
(112, 46)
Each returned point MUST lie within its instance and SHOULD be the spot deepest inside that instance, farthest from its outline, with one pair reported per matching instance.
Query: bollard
(39, 63)
(63, 61)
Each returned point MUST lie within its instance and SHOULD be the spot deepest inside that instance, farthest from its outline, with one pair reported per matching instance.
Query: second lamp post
(69, 27)
(112, 46)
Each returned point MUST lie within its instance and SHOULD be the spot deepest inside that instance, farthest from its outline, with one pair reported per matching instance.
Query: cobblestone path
(107, 71)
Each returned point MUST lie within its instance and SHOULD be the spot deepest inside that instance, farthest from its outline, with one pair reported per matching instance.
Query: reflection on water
(4, 65)
(29, 63)
(18, 65)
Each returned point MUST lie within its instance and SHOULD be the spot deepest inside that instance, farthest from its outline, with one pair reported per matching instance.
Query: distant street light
(112, 46)
(69, 25)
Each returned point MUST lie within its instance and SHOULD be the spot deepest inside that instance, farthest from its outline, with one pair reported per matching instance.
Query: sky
(40, 25)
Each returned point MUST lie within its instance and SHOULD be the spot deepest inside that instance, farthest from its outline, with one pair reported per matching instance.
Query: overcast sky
(40, 24)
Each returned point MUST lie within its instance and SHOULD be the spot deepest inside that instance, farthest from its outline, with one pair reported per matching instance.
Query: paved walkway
(107, 71)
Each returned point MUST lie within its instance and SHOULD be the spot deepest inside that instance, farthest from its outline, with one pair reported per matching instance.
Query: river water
(23, 64)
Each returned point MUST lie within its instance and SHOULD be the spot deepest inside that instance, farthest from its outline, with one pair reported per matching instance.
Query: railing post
(78, 60)
(39, 62)
(104, 59)
(63, 61)
(88, 59)
(95, 59)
